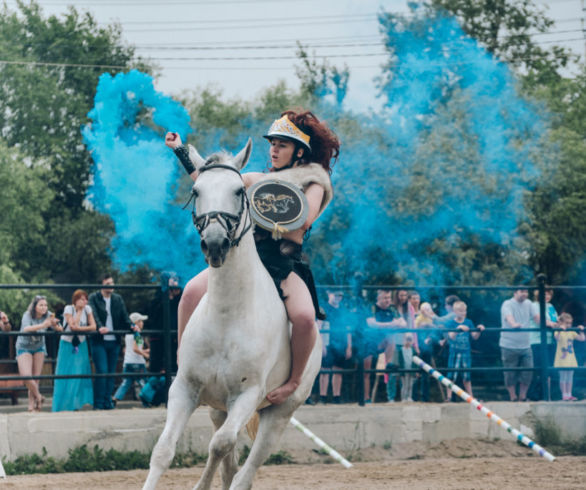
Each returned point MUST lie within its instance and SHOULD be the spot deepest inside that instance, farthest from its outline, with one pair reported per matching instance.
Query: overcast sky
(265, 32)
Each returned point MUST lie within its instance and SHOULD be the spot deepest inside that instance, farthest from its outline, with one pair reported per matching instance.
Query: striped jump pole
(490, 414)
(331, 451)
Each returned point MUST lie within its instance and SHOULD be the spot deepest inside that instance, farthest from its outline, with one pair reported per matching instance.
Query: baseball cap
(134, 317)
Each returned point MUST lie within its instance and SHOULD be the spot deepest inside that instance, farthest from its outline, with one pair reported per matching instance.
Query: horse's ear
(195, 157)
(241, 159)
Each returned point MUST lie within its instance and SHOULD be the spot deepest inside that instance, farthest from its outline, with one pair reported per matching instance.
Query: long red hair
(325, 145)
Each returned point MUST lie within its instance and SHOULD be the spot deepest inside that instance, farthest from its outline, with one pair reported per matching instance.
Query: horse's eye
(239, 192)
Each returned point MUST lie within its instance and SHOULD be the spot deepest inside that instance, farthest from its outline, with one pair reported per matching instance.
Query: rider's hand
(173, 140)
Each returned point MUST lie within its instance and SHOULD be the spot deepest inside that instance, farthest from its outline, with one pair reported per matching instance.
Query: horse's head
(221, 202)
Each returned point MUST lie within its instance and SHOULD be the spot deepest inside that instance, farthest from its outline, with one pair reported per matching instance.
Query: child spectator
(427, 338)
(565, 355)
(415, 301)
(135, 356)
(406, 354)
(459, 355)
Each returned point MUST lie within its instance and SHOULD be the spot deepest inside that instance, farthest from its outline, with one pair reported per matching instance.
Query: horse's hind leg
(224, 439)
(273, 421)
(229, 465)
(182, 403)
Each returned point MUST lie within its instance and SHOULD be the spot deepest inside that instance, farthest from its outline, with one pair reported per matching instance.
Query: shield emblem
(277, 206)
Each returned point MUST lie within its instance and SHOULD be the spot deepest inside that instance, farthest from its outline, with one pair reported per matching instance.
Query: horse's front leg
(224, 440)
(182, 402)
(229, 465)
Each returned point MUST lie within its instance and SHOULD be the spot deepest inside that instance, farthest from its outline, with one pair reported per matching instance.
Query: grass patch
(282, 457)
(82, 459)
(549, 435)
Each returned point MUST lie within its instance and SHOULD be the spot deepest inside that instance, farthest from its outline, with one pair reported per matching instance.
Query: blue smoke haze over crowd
(454, 132)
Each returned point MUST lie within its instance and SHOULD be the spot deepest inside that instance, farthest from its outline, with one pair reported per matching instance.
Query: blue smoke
(445, 164)
(136, 176)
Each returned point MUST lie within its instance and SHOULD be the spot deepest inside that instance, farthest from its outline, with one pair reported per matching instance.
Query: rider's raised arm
(173, 141)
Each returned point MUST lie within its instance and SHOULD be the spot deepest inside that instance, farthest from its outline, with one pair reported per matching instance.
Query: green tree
(556, 227)
(49, 77)
(319, 79)
(24, 196)
(48, 86)
(505, 29)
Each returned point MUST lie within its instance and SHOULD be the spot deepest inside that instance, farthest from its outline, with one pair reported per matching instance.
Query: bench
(12, 388)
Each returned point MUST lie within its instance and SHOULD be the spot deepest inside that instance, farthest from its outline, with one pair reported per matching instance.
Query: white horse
(236, 346)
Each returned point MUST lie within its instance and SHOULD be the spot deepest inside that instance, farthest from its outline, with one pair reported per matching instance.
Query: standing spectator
(565, 356)
(427, 339)
(459, 345)
(73, 356)
(155, 390)
(31, 350)
(377, 340)
(551, 318)
(157, 344)
(110, 314)
(406, 321)
(338, 349)
(448, 306)
(136, 354)
(5, 326)
(516, 313)
(415, 302)
(406, 354)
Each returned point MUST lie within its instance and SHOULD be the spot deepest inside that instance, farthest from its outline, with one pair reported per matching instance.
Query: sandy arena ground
(501, 473)
(457, 464)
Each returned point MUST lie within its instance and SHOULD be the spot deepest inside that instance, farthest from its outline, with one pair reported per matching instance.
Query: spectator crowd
(379, 341)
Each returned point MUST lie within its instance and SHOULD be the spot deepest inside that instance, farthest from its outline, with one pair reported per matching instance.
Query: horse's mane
(221, 157)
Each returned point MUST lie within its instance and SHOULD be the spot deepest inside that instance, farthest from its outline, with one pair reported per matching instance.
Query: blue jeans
(105, 356)
(128, 382)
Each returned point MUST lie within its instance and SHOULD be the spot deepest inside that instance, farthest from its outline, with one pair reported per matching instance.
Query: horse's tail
(252, 426)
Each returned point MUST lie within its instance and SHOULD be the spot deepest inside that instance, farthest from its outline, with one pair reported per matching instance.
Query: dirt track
(501, 473)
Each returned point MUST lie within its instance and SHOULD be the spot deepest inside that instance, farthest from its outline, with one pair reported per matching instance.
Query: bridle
(230, 222)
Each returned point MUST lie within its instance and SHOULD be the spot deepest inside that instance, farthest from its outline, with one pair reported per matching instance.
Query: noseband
(230, 222)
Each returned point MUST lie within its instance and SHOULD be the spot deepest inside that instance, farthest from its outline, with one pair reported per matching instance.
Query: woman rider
(301, 150)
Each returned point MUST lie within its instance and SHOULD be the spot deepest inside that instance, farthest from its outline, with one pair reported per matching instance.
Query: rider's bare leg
(192, 294)
(302, 315)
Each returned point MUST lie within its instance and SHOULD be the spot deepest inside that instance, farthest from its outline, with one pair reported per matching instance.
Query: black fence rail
(356, 371)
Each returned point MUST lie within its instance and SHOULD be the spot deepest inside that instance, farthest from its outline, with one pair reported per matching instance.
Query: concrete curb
(344, 427)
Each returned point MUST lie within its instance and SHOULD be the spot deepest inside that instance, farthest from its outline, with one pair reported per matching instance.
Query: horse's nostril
(225, 245)
(204, 246)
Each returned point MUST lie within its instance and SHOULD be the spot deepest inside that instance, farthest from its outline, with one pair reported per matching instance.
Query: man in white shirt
(516, 313)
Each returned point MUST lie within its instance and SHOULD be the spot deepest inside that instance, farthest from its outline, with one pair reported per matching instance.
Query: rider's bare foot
(278, 396)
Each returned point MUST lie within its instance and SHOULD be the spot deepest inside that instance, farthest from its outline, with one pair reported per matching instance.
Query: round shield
(277, 206)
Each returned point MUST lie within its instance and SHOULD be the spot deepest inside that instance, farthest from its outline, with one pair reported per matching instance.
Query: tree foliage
(506, 29)
(48, 80)
(557, 225)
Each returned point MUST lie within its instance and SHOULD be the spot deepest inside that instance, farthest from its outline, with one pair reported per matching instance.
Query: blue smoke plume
(136, 176)
(445, 164)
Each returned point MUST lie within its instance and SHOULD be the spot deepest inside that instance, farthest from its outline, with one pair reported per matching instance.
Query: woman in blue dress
(73, 356)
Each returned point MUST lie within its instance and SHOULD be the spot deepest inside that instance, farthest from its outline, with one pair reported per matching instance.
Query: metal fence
(354, 372)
